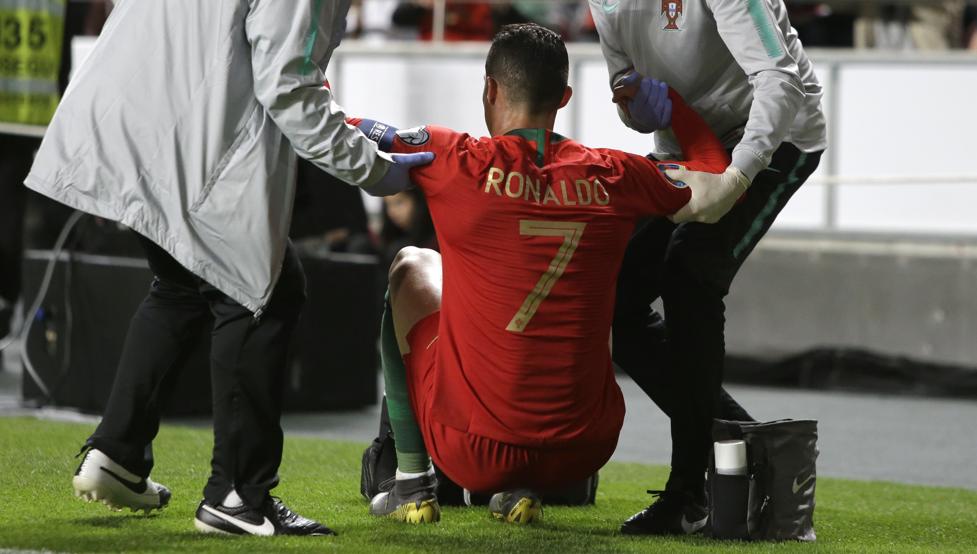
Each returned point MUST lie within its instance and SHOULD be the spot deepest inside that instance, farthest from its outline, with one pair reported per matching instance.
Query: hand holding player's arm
(714, 185)
(644, 100)
(662, 107)
(713, 194)
(686, 191)
(398, 178)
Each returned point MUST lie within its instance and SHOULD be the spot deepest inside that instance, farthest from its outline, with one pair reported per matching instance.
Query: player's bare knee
(401, 266)
(409, 260)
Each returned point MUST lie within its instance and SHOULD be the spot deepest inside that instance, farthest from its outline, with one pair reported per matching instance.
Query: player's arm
(701, 148)
(715, 185)
(703, 153)
(756, 34)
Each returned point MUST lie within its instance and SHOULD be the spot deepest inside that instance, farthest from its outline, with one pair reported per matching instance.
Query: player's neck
(513, 119)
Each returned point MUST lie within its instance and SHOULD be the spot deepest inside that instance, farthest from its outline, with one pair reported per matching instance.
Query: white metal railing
(830, 64)
(829, 61)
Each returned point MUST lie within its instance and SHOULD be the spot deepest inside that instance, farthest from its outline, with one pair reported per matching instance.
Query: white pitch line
(60, 415)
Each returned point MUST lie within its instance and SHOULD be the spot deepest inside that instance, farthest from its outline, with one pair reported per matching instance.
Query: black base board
(852, 369)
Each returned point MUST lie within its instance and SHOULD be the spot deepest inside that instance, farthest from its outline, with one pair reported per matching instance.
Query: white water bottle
(730, 491)
(730, 457)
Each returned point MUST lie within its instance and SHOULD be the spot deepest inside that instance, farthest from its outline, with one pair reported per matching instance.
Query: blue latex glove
(646, 101)
(397, 178)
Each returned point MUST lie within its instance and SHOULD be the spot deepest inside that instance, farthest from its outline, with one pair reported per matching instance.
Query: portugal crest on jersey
(672, 9)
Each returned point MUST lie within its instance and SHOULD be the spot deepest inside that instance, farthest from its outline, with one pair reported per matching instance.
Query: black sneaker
(100, 479)
(674, 512)
(274, 518)
(520, 506)
(410, 501)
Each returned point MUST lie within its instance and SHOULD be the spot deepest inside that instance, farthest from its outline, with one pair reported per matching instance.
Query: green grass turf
(320, 479)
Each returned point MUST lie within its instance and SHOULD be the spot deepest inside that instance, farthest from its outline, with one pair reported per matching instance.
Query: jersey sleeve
(648, 190)
(450, 151)
(448, 147)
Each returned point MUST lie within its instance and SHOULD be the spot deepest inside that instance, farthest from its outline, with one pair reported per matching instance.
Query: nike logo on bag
(139, 487)
(693, 526)
(264, 530)
(797, 486)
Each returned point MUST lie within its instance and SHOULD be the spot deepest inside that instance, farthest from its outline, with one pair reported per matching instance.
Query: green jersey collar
(541, 137)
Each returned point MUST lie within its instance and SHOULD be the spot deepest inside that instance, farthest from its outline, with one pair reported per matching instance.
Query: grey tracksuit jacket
(184, 122)
(736, 62)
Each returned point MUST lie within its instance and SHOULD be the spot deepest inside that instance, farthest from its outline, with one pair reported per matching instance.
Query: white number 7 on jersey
(571, 231)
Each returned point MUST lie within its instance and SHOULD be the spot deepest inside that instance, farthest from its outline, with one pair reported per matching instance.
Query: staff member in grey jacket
(740, 65)
(183, 124)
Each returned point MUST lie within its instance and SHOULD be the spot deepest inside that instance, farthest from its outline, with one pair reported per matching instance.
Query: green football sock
(412, 456)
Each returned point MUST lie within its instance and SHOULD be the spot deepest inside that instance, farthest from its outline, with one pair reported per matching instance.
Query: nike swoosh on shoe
(139, 487)
(690, 527)
(265, 529)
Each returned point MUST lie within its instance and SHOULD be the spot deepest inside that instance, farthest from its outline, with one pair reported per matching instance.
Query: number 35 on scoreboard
(31, 35)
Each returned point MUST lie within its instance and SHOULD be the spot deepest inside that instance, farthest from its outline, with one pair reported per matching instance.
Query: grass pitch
(320, 479)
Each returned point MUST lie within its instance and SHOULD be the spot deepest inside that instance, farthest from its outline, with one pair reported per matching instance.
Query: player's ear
(566, 97)
(491, 92)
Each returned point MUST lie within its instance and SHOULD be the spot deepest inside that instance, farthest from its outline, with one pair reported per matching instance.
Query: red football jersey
(532, 229)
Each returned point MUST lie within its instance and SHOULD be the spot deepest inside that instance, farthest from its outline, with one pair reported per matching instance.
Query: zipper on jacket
(256, 320)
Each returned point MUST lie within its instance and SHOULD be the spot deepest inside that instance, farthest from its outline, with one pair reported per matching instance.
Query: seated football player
(495, 351)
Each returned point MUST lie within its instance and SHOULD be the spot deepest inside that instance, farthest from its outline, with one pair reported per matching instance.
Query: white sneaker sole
(94, 485)
(106, 492)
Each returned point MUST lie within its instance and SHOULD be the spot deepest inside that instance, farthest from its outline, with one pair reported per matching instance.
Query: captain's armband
(380, 133)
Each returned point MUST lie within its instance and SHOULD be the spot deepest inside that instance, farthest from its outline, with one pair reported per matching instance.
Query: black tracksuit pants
(247, 375)
(678, 360)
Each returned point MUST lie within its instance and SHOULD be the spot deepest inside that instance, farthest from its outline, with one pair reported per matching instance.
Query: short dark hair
(532, 63)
